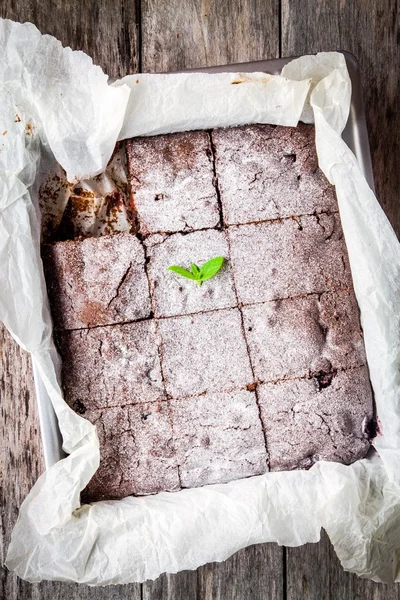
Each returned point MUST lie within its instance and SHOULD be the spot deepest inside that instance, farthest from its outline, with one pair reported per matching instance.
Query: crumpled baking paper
(76, 117)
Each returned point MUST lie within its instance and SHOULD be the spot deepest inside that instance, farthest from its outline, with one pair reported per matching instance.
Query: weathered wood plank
(107, 31)
(182, 586)
(314, 573)
(178, 35)
(182, 35)
(255, 572)
(21, 463)
(21, 459)
(370, 30)
(367, 29)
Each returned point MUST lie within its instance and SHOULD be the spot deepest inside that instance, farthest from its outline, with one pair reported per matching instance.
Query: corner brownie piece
(305, 422)
(137, 452)
(266, 172)
(96, 281)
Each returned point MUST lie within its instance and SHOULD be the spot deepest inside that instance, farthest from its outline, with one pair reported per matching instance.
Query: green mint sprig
(206, 271)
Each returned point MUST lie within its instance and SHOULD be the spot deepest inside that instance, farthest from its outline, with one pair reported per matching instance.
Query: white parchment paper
(55, 103)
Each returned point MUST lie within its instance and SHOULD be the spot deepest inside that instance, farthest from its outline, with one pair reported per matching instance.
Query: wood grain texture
(174, 35)
(183, 35)
(371, 31)
(314, 572)
(107, 31)
(21, 463)
(252, 573)
(182, 586)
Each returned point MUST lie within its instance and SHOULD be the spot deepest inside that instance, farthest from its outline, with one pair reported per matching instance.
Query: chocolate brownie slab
(218, 437)
(172, 185)
(263, 363)
(110, 366)
(137, 452)
(266, 172)
(174, 295)
(305, 423)
(96, 281)
(303, 336)
(288, 258)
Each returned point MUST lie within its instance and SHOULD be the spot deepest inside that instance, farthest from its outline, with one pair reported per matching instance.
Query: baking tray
(355, 135)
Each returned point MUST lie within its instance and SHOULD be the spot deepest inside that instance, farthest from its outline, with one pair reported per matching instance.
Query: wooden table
(124, 36)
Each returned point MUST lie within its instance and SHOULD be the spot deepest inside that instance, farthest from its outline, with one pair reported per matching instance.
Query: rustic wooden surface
(123, 36)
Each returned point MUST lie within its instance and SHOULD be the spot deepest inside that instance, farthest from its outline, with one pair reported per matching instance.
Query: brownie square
(96, 281)
(203, 353)
(288, 258)
(175, 295)
(305, 423)
(306, 335)
(109, 366)
(137, 452)
(218, 437)
(172, 186)
(267, 172)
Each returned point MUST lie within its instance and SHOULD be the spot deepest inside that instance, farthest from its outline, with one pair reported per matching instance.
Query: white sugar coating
(266, 172)
(137, 452)
(96, 281)
(295, 337)
(108, 366)
(175, 295)
(218, 438)
(288, 258)
(172, 182)
(303, 424)
(204, 352)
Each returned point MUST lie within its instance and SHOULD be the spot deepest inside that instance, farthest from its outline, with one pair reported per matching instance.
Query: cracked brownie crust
(261, 368)
(84, 291)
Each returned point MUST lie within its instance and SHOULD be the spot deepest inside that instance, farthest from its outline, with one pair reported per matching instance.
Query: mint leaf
(211, 268)
(195, 270)
(208, 270)
(182, 272)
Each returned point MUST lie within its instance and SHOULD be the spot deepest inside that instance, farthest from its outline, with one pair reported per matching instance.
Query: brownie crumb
(323, 379)
(79, 407)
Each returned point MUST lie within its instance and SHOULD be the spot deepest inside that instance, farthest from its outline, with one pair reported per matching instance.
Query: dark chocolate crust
(261, 368)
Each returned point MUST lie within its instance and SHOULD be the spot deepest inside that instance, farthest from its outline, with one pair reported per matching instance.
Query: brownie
(172, 186)
(288, 258)
(301, 336)
(266, 172)
(110, 366)
(305, 422)
(137, 452)
(174, 295)
(218, 437)
(96, 281)
(204, 352)
(260, 368)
